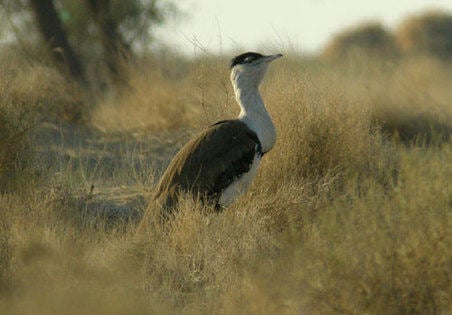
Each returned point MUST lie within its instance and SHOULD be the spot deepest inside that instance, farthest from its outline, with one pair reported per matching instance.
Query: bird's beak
(270, 58)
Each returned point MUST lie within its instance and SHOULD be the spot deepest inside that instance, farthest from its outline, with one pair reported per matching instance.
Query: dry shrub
(14, 145)
(16, 119)
(322, 133)
(409, 99)
(201, 254)
(427, 33)
(30, 94)
(62, 266)
(370, 39)
(39, 88)
(6, 252)
(48, 93)
(168, 95)
(382, 253)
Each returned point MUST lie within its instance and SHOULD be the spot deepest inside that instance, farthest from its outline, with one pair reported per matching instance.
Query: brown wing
(209, 163)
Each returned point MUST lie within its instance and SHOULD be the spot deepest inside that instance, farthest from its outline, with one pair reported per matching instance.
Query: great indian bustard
(220, 163)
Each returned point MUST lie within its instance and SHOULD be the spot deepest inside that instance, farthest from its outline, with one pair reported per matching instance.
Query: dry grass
(407, 98)
(341, 218)
(167, 95)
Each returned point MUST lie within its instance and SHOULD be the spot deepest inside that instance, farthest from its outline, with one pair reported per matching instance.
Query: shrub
(325, 227)
(6, 250)
(15, 122)
(427, 33)
(30, 93)
(370, 39)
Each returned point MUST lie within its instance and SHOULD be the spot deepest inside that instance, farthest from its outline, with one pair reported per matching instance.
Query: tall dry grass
(30, 93)
(167, 94)
(342, 217)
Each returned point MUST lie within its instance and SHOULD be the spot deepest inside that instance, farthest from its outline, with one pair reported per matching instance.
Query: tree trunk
(54, 35)
(115, 49)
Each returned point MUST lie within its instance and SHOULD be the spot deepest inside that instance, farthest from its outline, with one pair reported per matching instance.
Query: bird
(220, 163)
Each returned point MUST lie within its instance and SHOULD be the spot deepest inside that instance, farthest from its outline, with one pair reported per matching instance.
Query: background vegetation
(349, 213)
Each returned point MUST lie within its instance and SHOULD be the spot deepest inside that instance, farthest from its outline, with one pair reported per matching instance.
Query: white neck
(254, 114)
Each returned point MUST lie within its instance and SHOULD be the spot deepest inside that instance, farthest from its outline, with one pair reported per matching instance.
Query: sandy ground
(113, 174)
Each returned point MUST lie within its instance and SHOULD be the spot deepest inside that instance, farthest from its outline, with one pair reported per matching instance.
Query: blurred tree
(430, 33)
(55, 37)
(115, 50)
(102, 32)
(369, 39)
(111, 32)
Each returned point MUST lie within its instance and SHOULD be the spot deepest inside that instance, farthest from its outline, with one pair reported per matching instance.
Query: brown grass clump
(379, 253)
(407, 99)
(13, 145)
(413, 104)
(370, 39)
(39, 88)
(29, 95)
(6, 257)
(427, 33)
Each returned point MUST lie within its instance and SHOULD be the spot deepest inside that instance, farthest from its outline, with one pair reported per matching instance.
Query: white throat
(254, 114)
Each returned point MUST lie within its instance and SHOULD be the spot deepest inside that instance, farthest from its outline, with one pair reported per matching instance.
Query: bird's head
(249, 69)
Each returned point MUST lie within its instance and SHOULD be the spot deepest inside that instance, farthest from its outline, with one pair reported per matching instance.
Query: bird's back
(208, 164)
